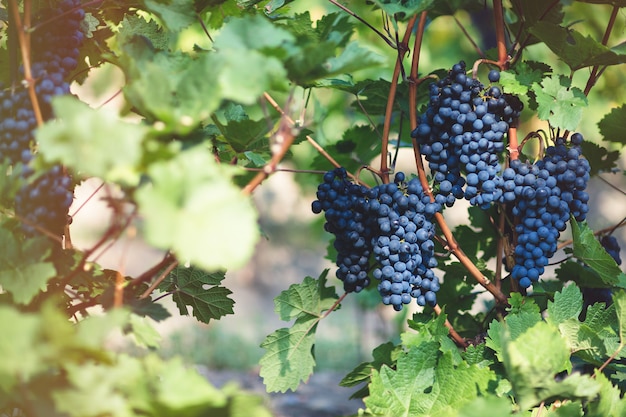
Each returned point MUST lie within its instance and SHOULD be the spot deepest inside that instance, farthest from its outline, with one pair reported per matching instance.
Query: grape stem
(451, 242)
(391, 97)
(359, 18)
(150, 273)
(160, 279)
(283, 139)
(595, 71)
(461, 342)
(313, 143)
(23, 36)
(498, 14)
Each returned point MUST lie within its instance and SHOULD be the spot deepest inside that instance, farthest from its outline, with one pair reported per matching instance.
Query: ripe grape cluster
(392, 222)
(544, 195)
(461, 135)
(343, 204)
(44, 200)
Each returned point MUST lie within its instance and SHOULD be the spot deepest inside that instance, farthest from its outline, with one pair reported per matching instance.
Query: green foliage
(289, 357)
(211, 91)
(195, 288)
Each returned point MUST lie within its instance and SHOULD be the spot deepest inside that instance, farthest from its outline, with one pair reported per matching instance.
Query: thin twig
(391, 97)
(378, 32)
(23, 36)
(160, 279)
(469, 38)
(453, 334)
(594, 75)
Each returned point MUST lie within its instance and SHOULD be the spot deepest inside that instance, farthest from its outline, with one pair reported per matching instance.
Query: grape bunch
(402, 243)
(543, 196)
(571, 171)
(392, 222)
(343, 205)
(611, 245)
(542, 216)
(461, 135)
(43, 201)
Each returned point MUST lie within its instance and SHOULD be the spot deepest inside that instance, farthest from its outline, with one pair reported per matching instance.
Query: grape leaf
(23, 269)
(619, 3)
(576, 50)
(143, 332)
(600, 159)
(589, 250)
(289, 355)
(289, 358)
(619, 300)
(308, 298)
(612, 125)
(194, 287)
(425, 383)
(385, 354)
(559, 103)
(402, 10)
(567, 305)
(516, 323)
(533, 359)
(609, 401)
(190, 206)
(580, 274)
(176, 15)
(93, 142)
(358, 146)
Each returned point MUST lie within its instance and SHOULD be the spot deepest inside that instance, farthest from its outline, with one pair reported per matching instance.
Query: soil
(321, 396)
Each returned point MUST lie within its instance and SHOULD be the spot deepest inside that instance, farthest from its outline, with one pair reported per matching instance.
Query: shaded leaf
(612, 125)
(588, 249)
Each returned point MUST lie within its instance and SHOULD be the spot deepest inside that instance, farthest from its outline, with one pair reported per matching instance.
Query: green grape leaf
(289, 355)
(619, 300)
(171, 87)
(385, 354)
(133, 25)
(143, 332)
(487, 406)
(588, 249)
(559, 103)
(289, 358)
(352, 58)
(191, 206)
(92, 142)
(567, 305)
(576, 50)
(176, 15)
(425, 383)
(308, 298)
(618, 3)
(359, 144)
(515, 324)
(609, 401)
(580, 274)
(600, 158)
(612, 125)
(24, 272)
(533, 359)
(194, 287)
(402, 10)
(250, 45)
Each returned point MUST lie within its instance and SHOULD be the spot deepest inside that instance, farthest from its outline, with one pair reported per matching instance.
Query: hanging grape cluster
(43, 202)
(393, 223)
(386, 232)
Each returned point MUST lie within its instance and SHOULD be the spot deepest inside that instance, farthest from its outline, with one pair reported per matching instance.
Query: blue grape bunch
(392, 222)
(543, 196)
(403, 242)
(343, 204)
(541, 215)
(43, 200)
(461, 134)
